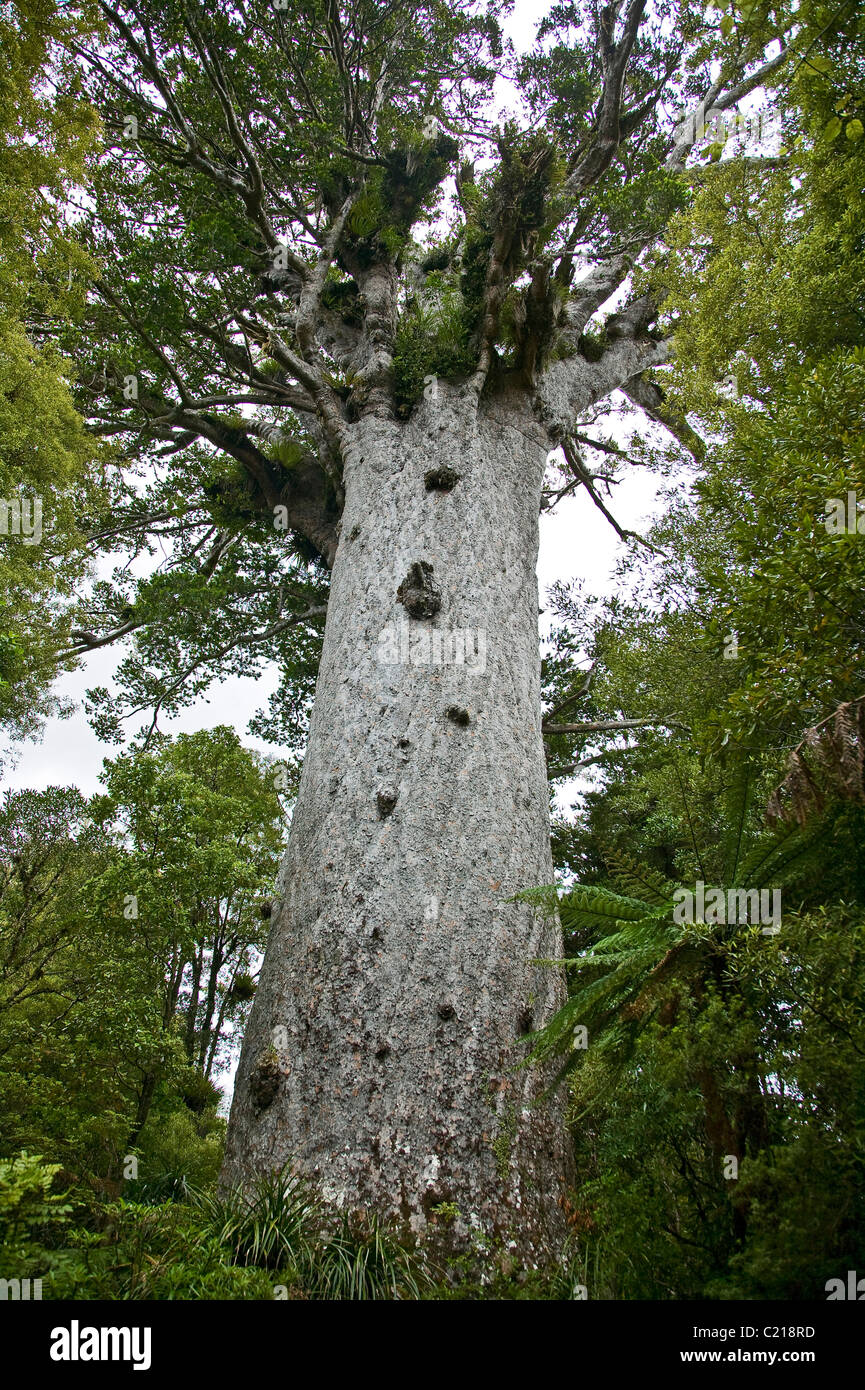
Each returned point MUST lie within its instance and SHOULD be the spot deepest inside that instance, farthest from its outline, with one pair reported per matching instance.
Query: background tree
(739, 629)
(200, 822)
(131, 928)
(51, 485)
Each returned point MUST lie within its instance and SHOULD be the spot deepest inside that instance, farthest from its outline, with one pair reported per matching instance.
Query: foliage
(28, 1209)
(125, 923)
(735, 654)
(655, 1212)
(49, 467)
(362, 1260)
(269, 1226)
(272, 1242)
(126, 1251)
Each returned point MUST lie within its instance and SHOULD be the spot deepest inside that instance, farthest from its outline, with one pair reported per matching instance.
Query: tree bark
(382, 1049)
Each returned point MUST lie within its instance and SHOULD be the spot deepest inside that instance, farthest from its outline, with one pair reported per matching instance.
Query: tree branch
(606, 134)
(569, 386)
(596, 726)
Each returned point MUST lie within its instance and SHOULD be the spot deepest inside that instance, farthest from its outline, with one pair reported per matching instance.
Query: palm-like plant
(632, 957)
(361, 1259)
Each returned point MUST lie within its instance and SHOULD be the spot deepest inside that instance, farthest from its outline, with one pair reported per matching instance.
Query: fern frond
(598, 902)
(778, 856)
(637, 880)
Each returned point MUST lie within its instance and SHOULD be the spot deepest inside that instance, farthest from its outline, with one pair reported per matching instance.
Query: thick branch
(89, 642)
(571, 385)
(651, 399)
(614, 61)
(690, 130)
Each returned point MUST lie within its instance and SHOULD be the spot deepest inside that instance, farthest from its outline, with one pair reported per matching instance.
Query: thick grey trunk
(382, 1046)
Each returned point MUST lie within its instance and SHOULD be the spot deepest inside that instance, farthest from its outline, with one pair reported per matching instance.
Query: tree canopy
(302, 215)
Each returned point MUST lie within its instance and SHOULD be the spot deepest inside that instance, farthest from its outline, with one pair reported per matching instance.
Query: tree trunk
(142, 1111)
(381, 1051)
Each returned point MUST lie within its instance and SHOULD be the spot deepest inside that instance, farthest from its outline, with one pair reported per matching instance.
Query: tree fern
(738, 799)
(639, 955)
(781, 856)
(636, 879)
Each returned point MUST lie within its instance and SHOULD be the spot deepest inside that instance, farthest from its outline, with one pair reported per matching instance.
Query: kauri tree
(343, 318)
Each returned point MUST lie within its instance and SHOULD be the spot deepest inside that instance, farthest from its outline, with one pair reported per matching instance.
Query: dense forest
(249, 254)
